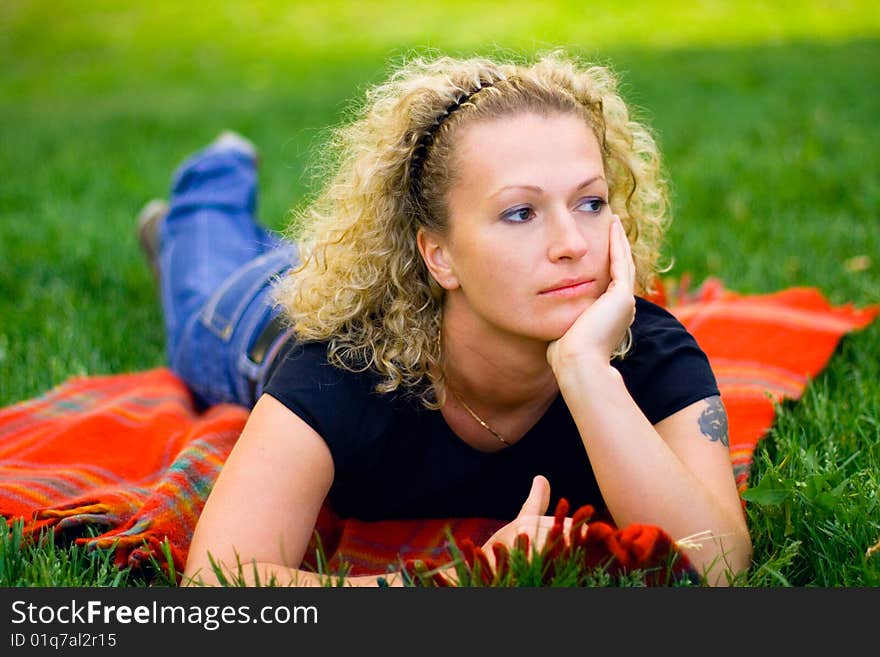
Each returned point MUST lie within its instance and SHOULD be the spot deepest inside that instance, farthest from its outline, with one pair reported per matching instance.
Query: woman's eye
(518, 215)
(593, 204)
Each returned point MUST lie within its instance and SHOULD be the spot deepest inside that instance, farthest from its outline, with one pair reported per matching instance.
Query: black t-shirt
(394, 458)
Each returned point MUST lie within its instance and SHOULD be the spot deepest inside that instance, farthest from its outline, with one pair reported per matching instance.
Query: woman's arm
(698, 437)
(677, 475)
(265, 503)
(674, 475)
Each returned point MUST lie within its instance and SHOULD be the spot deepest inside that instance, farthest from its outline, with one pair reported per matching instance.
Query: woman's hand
(530, 521)
(600, 328)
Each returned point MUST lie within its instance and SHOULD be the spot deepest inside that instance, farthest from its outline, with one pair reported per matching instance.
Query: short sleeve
(665, 370)
(341, 406)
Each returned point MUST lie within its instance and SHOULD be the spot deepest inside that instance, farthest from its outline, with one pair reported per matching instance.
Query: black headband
(420, 152)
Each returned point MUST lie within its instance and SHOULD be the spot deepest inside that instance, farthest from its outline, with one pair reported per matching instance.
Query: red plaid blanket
(129, 455)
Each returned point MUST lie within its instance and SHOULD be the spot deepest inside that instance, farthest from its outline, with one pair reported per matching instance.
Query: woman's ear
(436, 256)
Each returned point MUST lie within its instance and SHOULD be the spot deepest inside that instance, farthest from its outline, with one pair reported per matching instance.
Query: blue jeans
(216, 268)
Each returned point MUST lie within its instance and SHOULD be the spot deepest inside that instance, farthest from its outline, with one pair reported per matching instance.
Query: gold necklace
(474, 415)
(471, 411)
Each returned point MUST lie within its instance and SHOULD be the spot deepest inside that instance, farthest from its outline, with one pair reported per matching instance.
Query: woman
(464, 333)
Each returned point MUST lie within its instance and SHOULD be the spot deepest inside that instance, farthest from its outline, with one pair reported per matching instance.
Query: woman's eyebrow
(535, 188)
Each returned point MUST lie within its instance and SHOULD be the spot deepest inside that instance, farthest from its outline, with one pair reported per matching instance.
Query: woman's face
(527, 250)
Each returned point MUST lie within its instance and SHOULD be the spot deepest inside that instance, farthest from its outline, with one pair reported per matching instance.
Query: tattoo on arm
(713, 421)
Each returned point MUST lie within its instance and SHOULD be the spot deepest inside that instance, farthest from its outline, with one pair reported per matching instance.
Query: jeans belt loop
(272, 330)
(263, 344)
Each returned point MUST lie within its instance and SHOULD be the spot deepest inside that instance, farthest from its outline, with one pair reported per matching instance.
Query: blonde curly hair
(362, 285)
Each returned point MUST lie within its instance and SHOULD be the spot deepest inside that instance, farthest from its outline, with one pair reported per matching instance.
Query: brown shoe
(148, 222)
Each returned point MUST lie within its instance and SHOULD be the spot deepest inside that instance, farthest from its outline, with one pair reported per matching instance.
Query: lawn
(766, 114)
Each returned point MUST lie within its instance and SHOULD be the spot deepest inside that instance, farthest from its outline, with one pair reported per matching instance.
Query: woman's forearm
(641, 478)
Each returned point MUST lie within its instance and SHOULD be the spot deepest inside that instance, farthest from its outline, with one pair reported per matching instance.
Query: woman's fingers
(623, 269)
(537, 528)
(539, 497)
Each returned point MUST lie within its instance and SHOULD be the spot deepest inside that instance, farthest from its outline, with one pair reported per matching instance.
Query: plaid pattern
(130, 456)
(763, 349)
(125, 454)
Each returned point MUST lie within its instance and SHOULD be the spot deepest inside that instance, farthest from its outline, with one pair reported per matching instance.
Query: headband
(420, 152)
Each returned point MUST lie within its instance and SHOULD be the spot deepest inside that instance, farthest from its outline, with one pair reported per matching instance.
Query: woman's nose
(566, 239)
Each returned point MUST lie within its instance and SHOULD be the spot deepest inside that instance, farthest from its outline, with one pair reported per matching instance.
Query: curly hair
(362, 285)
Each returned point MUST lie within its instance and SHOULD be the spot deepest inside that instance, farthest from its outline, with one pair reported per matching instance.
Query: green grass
(766, 114)
(48, 561)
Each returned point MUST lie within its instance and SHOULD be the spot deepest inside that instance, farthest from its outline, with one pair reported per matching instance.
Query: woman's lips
(568, 289)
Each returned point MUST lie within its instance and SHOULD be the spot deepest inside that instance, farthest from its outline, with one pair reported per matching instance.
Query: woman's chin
(561, 321)
(553, 330)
